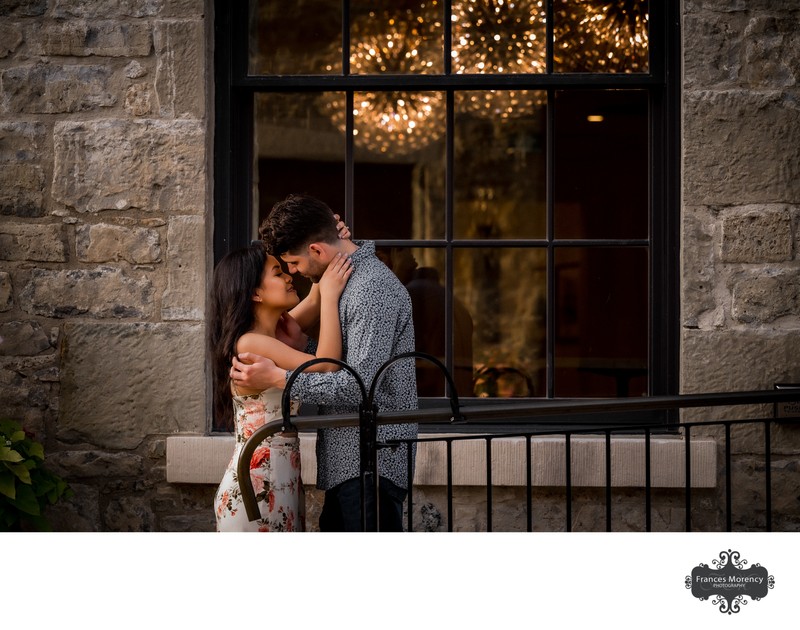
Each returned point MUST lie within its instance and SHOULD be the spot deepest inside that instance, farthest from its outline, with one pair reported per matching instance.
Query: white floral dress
(274, 471)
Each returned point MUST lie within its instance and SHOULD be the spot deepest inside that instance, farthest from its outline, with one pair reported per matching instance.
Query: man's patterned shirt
(375, 314)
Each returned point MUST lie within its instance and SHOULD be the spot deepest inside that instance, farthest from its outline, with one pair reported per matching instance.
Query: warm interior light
(489, 36)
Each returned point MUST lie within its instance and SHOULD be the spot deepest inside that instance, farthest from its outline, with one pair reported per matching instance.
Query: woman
(250, 297)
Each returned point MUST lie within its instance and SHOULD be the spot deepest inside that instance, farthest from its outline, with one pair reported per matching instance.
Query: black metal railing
(546, 411)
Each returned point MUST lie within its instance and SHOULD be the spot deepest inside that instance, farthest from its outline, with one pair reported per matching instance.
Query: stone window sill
(202, 459)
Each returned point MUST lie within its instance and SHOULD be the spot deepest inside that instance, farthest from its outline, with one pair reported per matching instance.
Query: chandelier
(499, 37)
(601, 36)
(489, 37)
(399, 122)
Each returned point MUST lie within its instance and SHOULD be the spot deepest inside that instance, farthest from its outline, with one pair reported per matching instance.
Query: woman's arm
(331, 285)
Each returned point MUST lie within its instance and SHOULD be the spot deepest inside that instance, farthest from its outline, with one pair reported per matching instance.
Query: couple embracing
(259, 334)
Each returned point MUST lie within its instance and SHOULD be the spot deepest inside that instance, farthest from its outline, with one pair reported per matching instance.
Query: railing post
(368, 452)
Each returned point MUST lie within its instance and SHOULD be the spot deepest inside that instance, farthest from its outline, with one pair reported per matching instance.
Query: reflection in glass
(500, 169)
(397, 122)
(301, 37)
(399, 172)
(421, 270)
(298, 150)
(601, 36)
(496, 37)
(504, 290)
(601, 322)
(600, 164)
(392, 40)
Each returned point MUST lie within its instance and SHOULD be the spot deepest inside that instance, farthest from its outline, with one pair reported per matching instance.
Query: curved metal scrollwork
(454, 404)
(367, 413)
(262, 433)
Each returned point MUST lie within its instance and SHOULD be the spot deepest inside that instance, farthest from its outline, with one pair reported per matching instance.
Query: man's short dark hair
(295, 223)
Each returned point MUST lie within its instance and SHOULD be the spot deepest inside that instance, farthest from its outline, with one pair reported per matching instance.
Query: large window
(513, 160)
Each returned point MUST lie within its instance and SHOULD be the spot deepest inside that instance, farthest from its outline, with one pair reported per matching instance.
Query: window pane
(601, 164)
(399, 168)
(298, 37)
(422, 270)
(500, 164)
(504, 291)
(390, 38)
(601, 36)
(601, 322)
(298, 149)
(498, 37)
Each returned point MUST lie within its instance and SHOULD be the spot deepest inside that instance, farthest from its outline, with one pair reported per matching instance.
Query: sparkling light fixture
(489, 37)
(499, 37)
(397, 122)
(601, 36)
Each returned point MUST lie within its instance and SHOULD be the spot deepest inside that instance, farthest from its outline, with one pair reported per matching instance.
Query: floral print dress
(274, 471)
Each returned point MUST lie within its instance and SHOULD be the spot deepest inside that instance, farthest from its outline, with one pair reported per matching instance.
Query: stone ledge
(203, 459)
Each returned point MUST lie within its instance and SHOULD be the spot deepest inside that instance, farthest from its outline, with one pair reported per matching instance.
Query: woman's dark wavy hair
(236, 278)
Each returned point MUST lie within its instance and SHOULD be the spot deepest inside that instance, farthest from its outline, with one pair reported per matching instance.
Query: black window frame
(234, 90)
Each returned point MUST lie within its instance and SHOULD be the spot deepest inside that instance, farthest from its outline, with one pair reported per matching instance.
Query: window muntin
(540, 212)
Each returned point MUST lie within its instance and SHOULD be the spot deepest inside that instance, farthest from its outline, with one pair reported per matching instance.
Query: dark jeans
(341, 511)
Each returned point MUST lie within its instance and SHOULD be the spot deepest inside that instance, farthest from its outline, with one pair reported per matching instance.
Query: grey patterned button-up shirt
(375, 314)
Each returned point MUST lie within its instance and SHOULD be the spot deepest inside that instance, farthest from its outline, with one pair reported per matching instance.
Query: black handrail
(370, 416)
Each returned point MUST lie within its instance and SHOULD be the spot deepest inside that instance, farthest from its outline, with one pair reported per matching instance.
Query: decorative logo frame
(729, 582)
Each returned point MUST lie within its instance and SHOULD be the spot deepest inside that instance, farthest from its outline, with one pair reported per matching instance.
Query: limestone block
(22, 190)
(734, 6)
(762, 297)
(130, 514)
(772, 51)
(184, 8)
(712, 49)
(53, 89)
(118, 164)
(123, 382)
(23, 394)
(757, 234)
(697, 266)
(201, 522)
(186, 269)
(726, 162)
(100, 292)
(22, 338)
(6, 292)
(737, 360)
(10, 39)
(78, 38)
(23, 8)
(81, 464)
(135, 70)
(41, 242)
(180, 51)
(109, 243)
(22, 178)
(107, 8)
(138, 99)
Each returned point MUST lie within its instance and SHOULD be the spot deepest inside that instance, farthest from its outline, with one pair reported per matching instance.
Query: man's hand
(255, 372)
(290, 333)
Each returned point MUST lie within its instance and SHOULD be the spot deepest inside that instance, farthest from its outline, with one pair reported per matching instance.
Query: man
(376, 317)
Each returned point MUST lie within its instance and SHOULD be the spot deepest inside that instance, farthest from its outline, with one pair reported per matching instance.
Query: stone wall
(104, 136)
(741, 224)
(105, 240)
